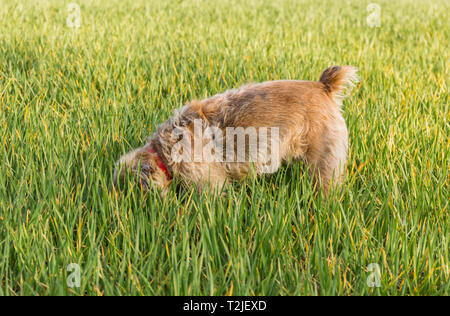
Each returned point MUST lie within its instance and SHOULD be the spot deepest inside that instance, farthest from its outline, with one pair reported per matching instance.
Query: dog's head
(144, 164)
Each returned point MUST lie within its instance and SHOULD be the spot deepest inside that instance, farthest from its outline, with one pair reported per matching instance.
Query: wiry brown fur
(308, 115)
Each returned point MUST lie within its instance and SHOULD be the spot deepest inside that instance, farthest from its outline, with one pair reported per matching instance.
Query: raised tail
(339, 81)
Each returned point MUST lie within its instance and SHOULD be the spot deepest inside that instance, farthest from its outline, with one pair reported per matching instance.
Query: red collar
(161, 164)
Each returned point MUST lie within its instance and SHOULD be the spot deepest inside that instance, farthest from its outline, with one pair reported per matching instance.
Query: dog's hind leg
(328, 156)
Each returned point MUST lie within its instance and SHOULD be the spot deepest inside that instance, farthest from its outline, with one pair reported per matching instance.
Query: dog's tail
(339, 81)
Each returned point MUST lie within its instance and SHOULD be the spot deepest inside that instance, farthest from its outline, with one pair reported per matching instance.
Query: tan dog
(273, 122)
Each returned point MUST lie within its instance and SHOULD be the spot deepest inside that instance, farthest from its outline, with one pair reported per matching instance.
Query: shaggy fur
(308, 115)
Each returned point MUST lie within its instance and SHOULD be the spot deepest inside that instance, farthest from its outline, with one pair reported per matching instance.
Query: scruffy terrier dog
(273, 122)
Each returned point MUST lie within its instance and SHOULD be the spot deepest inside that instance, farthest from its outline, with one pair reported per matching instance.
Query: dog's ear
(139, 164)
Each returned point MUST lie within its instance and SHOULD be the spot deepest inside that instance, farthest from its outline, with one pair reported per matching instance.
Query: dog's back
(275, 103)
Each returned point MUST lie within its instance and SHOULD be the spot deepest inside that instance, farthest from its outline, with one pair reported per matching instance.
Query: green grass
(73, 100)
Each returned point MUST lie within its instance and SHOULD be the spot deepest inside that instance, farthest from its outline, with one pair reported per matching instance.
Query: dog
(293, 120)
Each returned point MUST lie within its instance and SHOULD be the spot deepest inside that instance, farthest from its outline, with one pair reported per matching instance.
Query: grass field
(72, 100)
